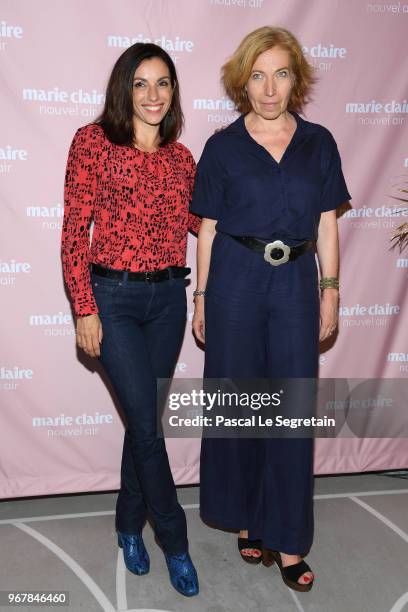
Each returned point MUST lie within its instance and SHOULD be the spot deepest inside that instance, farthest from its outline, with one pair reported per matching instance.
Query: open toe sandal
(291, 573)
(244, 543)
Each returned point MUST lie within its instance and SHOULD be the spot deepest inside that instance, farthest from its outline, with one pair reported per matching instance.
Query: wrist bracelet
(195, 293)
(329, 282)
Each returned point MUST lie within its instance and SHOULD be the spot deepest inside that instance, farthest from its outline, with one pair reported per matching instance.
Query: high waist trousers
(260, 322)
(143, 326)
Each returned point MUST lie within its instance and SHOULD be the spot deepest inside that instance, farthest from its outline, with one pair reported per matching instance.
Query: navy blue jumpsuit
(262, 321)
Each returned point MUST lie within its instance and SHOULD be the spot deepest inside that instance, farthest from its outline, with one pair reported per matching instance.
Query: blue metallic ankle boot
(134, 553)
(183, 575)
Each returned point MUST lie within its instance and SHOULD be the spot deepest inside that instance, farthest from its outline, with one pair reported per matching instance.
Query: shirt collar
(238, 126)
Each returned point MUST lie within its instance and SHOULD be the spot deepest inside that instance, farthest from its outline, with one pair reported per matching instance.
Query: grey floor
(359, 556)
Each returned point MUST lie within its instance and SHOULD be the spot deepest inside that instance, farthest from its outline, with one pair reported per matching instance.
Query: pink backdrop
(59, 429)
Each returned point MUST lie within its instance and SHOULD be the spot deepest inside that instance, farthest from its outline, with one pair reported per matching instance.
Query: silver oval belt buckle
(276, 253)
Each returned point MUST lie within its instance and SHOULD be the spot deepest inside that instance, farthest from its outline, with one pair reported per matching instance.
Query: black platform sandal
(291, 573)
(244, 543)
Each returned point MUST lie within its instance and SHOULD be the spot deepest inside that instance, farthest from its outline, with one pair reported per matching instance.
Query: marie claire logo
(372, 315)
(367, 217)
(329, 51)
(319, 54)
(222, 109)
(213, 104)
(377, 107)
(380, 212)
(57, 324)
(401, 262)
(10, 378)
(59, 102)
(78, 96)
(14, 267)
(399, 358)
(238, 3)
(68, 426)
(15, 373)
(9, 32)
(51, 215)
(171, 45)
(8, 270)
(373, 309)
(389, 8)
(8, 155)
(391, 112)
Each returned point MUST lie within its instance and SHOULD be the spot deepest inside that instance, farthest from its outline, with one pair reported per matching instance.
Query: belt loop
(170, 271)
(125, 277)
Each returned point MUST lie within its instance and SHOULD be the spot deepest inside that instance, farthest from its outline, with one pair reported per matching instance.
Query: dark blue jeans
(143, 326)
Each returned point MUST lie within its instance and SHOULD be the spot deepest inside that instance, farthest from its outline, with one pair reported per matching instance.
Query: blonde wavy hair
(237, 70)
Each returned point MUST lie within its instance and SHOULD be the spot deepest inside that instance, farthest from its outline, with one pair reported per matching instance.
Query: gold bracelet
(329, 282)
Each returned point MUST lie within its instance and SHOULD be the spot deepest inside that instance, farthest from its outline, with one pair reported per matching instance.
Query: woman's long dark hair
(116, 118)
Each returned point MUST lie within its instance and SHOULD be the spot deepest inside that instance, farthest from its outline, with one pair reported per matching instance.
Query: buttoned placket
(278, 167)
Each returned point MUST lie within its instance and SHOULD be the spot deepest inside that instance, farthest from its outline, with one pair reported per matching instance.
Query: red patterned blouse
(139, 204)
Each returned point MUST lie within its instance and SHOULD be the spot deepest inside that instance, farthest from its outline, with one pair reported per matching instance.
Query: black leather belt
(276, 252)
(148, 277)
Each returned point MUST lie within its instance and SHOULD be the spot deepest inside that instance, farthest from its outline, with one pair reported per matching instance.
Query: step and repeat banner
(60, 429)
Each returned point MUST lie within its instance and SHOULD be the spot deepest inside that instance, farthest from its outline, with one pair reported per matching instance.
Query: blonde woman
(267, 188)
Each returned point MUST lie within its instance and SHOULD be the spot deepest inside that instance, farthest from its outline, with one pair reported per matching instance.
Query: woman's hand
(329, 308)
(198, 319)
(89, 334)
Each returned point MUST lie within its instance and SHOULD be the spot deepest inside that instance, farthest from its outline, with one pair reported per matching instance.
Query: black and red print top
(139, 204)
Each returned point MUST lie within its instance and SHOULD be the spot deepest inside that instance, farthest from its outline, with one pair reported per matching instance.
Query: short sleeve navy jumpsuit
(262, 321)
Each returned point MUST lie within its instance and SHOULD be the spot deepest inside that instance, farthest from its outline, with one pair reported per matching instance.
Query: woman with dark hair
(267, 187)
(129, 174)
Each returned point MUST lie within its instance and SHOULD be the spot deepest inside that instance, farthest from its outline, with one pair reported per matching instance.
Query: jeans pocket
(101, 283)
(104, 291)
